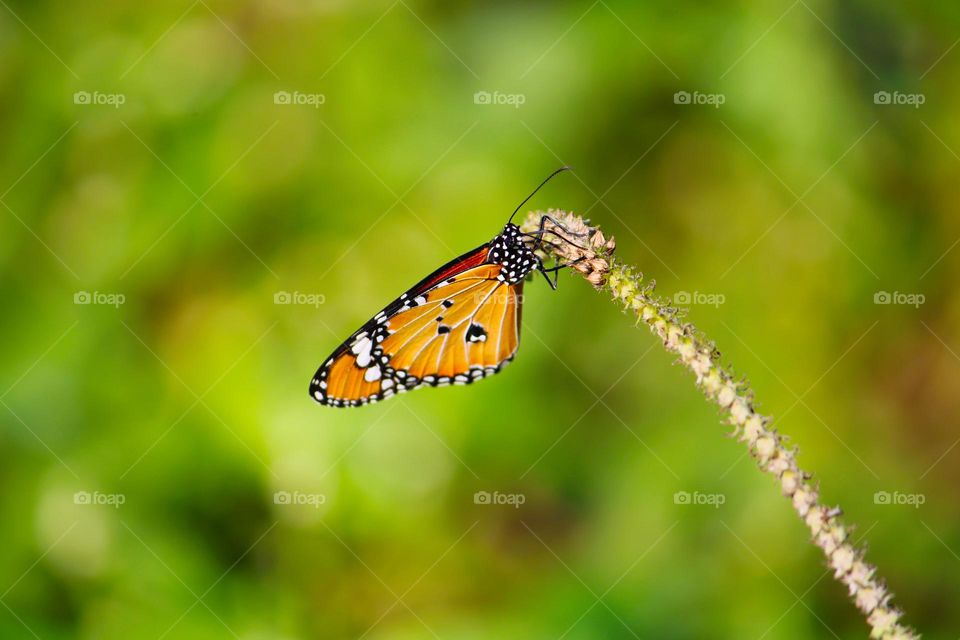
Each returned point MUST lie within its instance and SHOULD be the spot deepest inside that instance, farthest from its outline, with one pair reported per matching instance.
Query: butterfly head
(514, 256)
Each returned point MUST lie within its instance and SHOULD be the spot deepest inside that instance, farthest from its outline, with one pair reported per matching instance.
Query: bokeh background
(173, 172)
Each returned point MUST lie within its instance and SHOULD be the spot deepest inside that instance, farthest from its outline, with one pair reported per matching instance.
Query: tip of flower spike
(571, 240)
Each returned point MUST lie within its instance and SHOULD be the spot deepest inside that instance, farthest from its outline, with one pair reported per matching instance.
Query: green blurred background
(164, 474)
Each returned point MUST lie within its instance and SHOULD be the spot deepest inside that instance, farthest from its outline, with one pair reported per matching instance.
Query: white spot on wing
(372, 374)
(362, 350)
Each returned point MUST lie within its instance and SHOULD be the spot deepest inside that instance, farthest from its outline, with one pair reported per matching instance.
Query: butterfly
(459, 324)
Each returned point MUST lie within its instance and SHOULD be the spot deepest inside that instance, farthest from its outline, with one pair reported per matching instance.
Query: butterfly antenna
(560, 170)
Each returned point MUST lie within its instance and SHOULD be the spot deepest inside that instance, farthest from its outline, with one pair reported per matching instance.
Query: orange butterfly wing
(459, 324)
(467, 327)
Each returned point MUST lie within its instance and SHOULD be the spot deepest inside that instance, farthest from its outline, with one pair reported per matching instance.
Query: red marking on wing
(467, 261)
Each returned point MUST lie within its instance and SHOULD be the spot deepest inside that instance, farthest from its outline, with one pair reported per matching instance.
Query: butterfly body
(459, 324)
(515, 258)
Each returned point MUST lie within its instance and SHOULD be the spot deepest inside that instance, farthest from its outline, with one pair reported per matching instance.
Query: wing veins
(435, 303)
(470, 319)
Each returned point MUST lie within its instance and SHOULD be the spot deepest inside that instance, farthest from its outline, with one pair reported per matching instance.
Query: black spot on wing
(476, 333)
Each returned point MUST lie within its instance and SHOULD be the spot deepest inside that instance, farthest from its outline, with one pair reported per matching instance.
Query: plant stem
(569, 239)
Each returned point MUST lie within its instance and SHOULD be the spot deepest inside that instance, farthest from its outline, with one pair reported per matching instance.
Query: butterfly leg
(540, 237)
(539, 233)
(543, 242)
(557, 224)
(552, 283)
(555, 270)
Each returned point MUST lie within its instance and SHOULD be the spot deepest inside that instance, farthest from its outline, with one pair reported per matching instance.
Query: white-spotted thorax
(515, 258)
